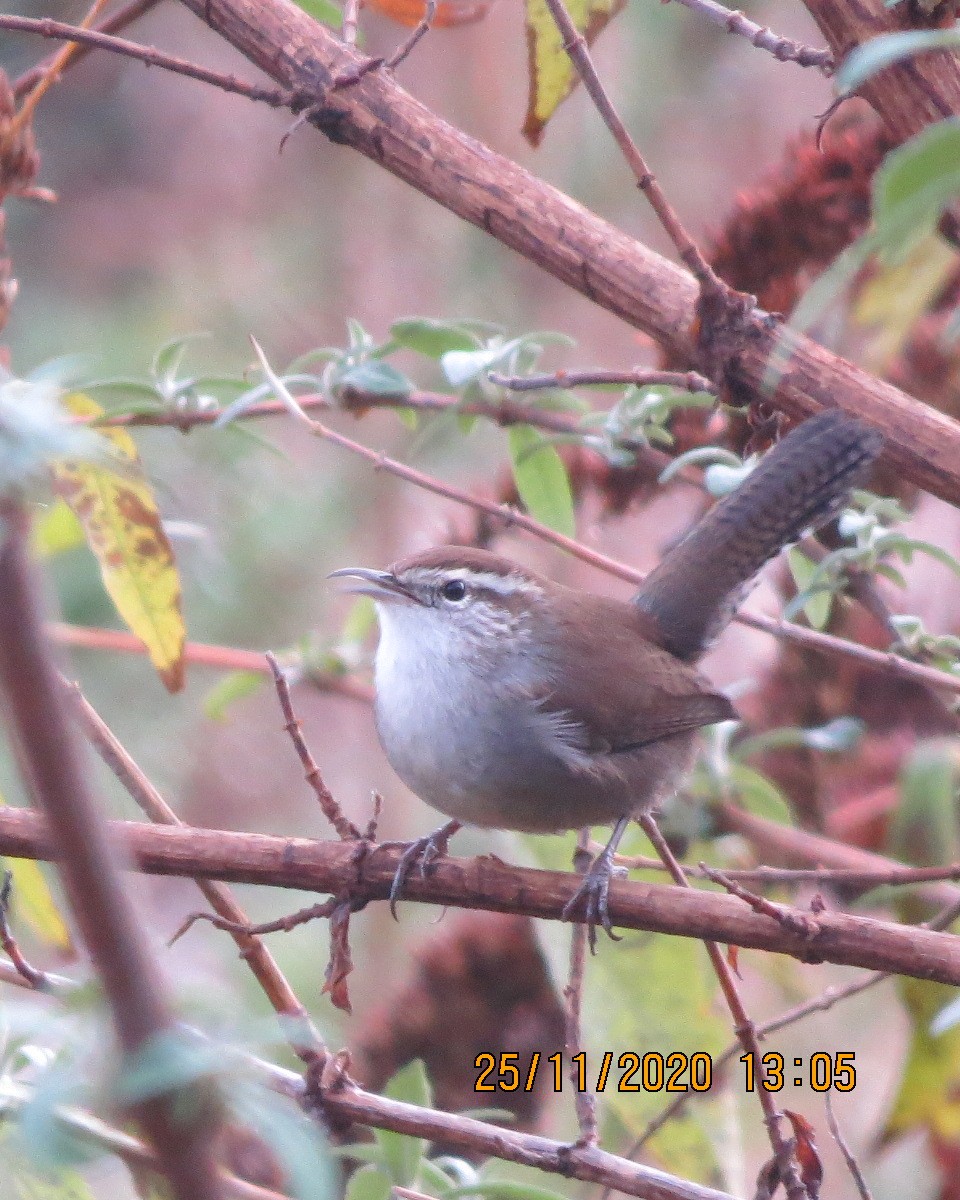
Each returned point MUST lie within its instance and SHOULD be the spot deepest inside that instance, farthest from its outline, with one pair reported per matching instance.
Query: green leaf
(916, 182)
(837, 736)
(28, 1180)
(817, 605)
(361, 620)
(431, 337)
(907, 546)
(402, 1154)
(541, 480)
(464, 366)
(922, 175)
(233, 687)
(324, 11)
(358, 337)
(700, 456)
(502, 1189)
(369, 1183)
(292, 1136)
(923, 830)
(167, 360)
(889, 48)
(759, 795)
(143, 397)
(166, 1063)
(374, 377)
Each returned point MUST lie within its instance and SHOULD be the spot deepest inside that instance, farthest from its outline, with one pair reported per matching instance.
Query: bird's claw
(425, 850)
(591, 900)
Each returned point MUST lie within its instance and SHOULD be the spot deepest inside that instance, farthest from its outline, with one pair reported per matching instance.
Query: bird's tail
(800, 484)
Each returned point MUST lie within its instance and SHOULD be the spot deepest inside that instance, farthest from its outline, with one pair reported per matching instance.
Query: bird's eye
(454, 589)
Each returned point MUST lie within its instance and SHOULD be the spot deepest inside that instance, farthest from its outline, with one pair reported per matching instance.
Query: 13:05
(824, 1071)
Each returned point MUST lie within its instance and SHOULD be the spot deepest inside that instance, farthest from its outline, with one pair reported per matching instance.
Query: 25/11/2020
(651, 1072)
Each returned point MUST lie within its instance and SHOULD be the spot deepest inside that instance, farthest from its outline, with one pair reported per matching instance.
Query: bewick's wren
(509, 701)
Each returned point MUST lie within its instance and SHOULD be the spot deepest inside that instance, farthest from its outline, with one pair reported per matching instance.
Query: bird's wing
(611, 690)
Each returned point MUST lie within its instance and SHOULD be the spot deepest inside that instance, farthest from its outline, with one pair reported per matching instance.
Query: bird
(506, 700)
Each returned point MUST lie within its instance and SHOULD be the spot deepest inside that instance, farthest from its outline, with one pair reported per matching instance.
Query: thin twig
(789, 918)
(303, 916)
(10, 973)
(848, 878)
(33, 976)
(113, 24)
(744, 1027)
(61, 60)
(688, 381)
(58, 31)
(421, 30)
(576, 46)
(348, 27)
(774, 840)
(848, 1156)
(345, 829)
(784, 49)
(223, 658)
(343, 1104)
(302, 1034)
(584, 1101)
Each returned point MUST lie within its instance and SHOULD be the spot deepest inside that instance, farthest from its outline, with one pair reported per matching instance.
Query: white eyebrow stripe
(502, 585)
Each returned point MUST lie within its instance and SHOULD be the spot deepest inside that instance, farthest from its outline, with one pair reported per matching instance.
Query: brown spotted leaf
(115, 505)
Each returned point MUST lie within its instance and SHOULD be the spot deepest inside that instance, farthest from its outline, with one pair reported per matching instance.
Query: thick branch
(35, 713)
(909, 95)
(382, 121)
(367, 872)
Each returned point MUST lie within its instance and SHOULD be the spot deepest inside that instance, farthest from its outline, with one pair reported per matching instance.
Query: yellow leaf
(552, 75)
(120, 519)
(895, 297)
(33, 902)
(929, 1095)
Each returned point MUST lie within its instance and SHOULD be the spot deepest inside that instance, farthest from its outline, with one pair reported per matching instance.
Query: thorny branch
(113, 24)
(345, 829)
(784, 49)
(97, 39)
(487, 883)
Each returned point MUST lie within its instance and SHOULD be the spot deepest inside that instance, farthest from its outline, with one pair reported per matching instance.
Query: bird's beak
(381, 585)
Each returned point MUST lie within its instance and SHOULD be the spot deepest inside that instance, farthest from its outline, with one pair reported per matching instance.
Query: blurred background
(178, 214)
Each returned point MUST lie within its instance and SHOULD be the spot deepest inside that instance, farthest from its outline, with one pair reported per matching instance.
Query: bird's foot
(425, 851)
(590, 900)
